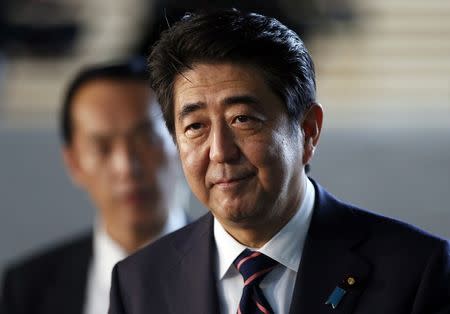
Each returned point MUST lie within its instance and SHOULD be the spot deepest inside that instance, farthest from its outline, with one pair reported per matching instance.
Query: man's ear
(311, 126)
(72, 165)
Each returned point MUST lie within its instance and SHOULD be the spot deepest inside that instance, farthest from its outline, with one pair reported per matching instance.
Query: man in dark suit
(117, 149)
(238, 95)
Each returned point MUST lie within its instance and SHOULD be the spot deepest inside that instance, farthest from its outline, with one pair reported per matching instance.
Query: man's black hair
(240, 38)
(131, 70)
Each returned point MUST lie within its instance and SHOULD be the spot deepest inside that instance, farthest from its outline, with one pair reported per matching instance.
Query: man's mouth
(233, 181)
(136, 197)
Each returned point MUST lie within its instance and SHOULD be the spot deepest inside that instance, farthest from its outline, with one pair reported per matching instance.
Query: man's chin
(237, 217)
(142, 217)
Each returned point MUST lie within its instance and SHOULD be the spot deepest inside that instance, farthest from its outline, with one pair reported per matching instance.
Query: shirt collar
(285, 247)
(108, 252)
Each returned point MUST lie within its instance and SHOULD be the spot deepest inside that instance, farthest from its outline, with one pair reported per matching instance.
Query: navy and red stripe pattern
(253, 266)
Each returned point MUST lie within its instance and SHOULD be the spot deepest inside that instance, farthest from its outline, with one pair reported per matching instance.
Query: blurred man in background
(116, 148)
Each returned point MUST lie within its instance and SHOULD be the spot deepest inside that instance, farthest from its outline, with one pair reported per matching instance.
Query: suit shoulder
(168, 250)
(352, 217)
(48, 258)
(396, 234)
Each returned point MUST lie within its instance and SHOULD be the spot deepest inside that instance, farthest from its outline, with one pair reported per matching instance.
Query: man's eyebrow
(145, 124)
(99, 137)
(102, 136)
(189, 108)
(141, 126)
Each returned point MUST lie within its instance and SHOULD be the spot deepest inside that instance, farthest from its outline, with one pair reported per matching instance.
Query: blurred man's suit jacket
(64, 276)
(49, 283)
(398, 269)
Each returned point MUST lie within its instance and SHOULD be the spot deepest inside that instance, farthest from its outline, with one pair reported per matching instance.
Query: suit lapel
(196, 290)
(328, 259)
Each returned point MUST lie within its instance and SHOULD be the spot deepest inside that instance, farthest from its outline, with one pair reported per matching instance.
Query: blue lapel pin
(336, 296)
(339, 292)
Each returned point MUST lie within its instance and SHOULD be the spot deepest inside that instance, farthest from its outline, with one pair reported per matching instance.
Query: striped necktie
(253, 266)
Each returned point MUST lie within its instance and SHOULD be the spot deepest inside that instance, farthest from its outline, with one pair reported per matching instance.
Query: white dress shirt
(106, 253)
(285, 247)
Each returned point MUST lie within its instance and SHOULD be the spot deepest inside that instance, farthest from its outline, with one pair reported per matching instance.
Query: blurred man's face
(240, 154)
(117, 154)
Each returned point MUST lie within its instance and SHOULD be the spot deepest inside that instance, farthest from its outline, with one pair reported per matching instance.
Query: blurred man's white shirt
(106, 253)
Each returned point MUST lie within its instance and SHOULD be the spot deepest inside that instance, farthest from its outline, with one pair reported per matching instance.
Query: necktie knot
(253, 266)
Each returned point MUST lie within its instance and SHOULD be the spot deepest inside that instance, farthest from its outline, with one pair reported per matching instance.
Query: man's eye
(246, 121)
(194, 129)
(145, 137)
(242, 119)
(102, 148)
(194, 126)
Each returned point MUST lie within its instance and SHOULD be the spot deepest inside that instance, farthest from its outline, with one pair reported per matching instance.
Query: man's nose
(223, 147)
(125, 161)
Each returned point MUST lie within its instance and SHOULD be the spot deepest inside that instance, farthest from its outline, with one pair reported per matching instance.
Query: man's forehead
(98, 114)
(104, 89)
(109, 120)
(108, 130)
(216, 80)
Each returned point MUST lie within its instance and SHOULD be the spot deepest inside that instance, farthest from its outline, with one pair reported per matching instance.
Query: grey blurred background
(383, 75)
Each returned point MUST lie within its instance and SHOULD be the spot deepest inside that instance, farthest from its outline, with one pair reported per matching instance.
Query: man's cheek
(90, 163)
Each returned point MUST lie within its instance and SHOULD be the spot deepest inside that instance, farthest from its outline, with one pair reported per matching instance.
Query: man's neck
(132, 240)
(256, 236)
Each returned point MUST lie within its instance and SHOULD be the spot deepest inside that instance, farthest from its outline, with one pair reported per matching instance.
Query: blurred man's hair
(240, 38)
(131, 70)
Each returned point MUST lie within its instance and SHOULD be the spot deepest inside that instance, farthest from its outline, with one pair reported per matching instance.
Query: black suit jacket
(398, 268)
(52, 282)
